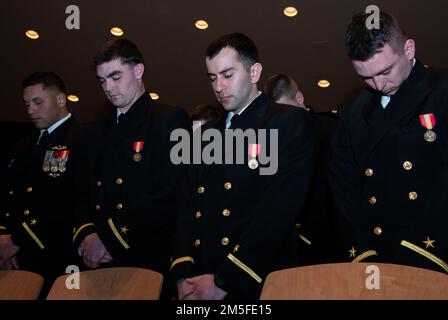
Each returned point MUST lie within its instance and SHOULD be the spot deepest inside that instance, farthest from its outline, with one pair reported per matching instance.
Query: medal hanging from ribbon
(62, 160)
(253, 151)
(47, 160)
(54, 162)
(428, 121)
(138, 146)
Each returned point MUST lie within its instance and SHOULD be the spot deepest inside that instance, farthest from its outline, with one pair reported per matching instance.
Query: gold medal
(253, 164)
(428, 121)
(138, 146)
(137, 157)
(430, 136)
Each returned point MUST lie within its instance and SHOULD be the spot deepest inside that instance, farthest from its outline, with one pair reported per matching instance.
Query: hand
(201, 288)
(8, 251)
(94, 252)
(183, 289)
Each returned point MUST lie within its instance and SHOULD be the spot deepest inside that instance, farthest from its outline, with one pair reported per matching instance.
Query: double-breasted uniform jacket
(37, 198)
(387, 177)
(128, 192)
(236, 223)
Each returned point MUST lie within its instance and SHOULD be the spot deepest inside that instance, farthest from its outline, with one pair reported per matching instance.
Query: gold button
(26, 212)
(368, 172)
(198, 214)
(378, 231)
(413, 195)
(97, 207)
(201, 190)
(225, 241)
(11, 192)
(119, 206)
(372, 200)
(7, 214)
(226, 212)
(407, 165)
(99, 183)
(119, 181)
(228, 185)
(29, 189)
(197, 243)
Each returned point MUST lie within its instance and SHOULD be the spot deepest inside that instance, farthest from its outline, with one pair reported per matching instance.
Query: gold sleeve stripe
(364, 255)
(308, 242)
(180, 260)
(426, 254)
(244, 267)
(31, 233)
(117, 234)
(80, 229)
(2, 228)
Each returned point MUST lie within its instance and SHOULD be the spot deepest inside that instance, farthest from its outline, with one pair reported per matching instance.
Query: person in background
(315, 232)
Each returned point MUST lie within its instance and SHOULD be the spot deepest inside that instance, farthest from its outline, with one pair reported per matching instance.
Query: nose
(107, 86)
(220, 85)
(31, 109)
(379, 83)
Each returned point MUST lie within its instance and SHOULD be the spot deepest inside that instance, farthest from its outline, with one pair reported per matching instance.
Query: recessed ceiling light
(290, 11)
(154, 96)
(201, 24)
(323, 83)
(116, 31)
(73, 98)
(32, 34)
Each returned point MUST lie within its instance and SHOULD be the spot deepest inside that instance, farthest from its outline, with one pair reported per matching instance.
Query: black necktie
(43, 138)
(120, 118)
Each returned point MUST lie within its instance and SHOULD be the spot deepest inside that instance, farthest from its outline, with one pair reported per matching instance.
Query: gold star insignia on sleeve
(429, 243)
(352, 252)
(33, 222)
(237, 247)
(124, 229)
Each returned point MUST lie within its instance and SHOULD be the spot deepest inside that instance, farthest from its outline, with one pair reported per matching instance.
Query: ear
(300, 98)
(139, 70)
(255, 72)
(61, 99)
(409, 49)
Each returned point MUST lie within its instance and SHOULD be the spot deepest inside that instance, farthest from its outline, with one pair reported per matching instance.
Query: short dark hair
(245, 48)
(47, 79)
(122, 49)
(280, 85)
(205, 112)
(361, 43)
